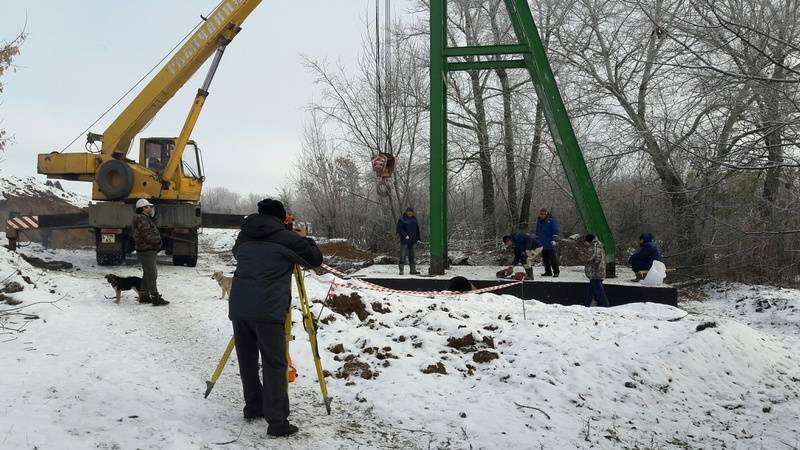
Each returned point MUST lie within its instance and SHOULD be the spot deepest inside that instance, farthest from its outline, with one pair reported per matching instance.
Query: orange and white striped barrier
(23, 222)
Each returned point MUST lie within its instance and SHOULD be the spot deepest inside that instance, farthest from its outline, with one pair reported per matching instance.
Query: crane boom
(218, 29)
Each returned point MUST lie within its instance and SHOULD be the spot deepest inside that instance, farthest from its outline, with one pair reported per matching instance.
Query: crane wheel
(115, 179)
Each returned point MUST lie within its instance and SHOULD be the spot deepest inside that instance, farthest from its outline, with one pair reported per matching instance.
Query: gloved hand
(553, 243)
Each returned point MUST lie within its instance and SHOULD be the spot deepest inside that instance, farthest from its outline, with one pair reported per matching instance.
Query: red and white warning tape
(355, 283)
(23, 222)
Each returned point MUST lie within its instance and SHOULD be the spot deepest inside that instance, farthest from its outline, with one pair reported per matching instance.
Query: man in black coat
(260, 298)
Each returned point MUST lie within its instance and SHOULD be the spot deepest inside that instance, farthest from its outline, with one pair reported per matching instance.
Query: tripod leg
(291, 372)
(220, 366)
(308, 324)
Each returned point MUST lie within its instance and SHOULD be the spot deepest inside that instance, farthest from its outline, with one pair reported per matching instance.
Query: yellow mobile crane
(165, 172)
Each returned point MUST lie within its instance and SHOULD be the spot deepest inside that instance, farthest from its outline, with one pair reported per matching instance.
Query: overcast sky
(81, 56)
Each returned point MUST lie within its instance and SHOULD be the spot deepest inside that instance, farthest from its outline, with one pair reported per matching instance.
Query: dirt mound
(338, 348)
(462, 342)
(355, 368)
(346, 305)
(344, 250)
(30, 197)
(484, 356)
(49, 265)
(435, 368)
(378, 307)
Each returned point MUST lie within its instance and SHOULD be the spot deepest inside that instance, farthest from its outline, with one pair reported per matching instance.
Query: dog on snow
(224, 283)
(124, 284)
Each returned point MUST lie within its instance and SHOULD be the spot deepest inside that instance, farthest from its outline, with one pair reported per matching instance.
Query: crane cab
(155, 152)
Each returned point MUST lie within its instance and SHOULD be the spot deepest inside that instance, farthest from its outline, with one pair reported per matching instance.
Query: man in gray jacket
(595, 270)
(261, 295)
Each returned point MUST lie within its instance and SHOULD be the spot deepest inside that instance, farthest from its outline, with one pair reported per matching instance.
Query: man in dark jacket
(643, 259)
(147, 241)
(260, 298)
(547, 233)
(408, 232)
(525, 249)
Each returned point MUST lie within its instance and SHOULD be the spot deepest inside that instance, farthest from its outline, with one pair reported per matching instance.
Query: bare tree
(8, 51)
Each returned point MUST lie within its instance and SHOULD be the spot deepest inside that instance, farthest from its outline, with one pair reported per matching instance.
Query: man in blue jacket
(260, 298)
(547, 233)
(408, 232)
(643, 259)
(524, 250)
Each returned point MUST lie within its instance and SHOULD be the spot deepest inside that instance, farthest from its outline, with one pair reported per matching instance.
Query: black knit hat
(272, 207)
(589, 238)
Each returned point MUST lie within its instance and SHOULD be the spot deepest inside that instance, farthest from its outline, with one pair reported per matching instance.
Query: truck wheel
(115, 179)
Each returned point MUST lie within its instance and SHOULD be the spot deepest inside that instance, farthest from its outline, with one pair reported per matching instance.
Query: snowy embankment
(91, 373)
(30, 187)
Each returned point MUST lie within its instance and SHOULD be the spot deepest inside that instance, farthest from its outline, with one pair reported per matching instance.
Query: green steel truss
(534, 59)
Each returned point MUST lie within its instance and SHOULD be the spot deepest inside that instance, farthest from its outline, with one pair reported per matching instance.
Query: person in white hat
(148, 242)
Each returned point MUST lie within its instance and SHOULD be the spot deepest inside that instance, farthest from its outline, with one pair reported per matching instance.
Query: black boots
(155, 300)
(413, 269)
(159, 301)
(284, 429)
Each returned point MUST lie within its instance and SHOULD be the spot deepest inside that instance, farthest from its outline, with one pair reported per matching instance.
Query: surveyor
(526, 247)
(643, 259)
(260, 298)
(547, 233)
(408, 232)
(147, 242)
(595, 270)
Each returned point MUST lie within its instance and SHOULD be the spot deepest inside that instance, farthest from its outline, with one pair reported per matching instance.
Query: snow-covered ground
(88, 373)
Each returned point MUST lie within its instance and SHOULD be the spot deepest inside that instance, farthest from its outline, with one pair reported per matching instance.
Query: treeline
(687, 112)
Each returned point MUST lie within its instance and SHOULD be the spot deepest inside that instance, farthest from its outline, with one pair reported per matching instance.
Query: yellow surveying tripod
(308, 324)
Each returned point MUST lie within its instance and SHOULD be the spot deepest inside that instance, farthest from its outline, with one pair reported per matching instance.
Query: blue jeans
(407, 251)
(595, 291)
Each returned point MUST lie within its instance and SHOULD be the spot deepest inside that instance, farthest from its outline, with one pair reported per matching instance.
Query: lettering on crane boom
(206, 31)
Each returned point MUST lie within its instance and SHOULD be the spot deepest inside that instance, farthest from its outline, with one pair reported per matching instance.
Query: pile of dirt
(30, 197)
(48, 265)
(435, 368)
(344, 250)
(484, 356)
(462, 342)
(380, 308)
(355, 368)
(346, 305)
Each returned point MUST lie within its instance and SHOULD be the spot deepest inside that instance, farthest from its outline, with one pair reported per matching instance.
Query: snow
(31, 187)
(89, 373)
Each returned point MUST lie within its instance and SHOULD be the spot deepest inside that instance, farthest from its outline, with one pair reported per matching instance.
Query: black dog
(124, 284)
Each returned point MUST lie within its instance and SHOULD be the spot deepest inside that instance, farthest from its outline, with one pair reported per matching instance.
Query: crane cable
(387, 73)
(378, 96)
(383, 84)
(140, 81)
